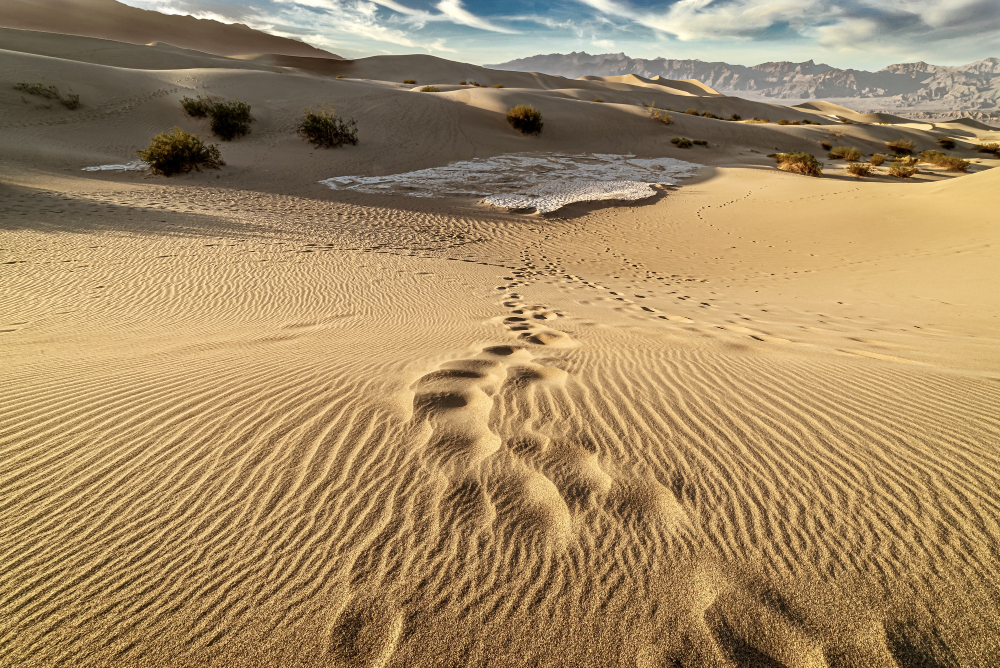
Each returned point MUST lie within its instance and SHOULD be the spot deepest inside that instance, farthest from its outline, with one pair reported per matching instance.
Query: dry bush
(783, 121)
(798, 163)
(992, 149)
(661, 115)
(525, 119)
(947, 143)
(700, 142)
(693, 112)
(900, 146)
(848, 153)
(845, 121)
(430, 89)
(463, 83)
(902, 169)
(827, 145)
(410, 81)
(178, 152)
(38, 89)
(949, 162)
(199, 107)
(324, 129)
(681, 142)
(859, 169)
(758, 120)
(341, 76)
(736, 117)
(497, 86)
(708, 114)
(597, 99)
(877, 159)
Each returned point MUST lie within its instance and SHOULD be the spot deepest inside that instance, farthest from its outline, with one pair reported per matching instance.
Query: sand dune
(112, 20)
(247, 419)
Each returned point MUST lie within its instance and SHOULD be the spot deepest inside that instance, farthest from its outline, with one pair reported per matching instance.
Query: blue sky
(867, 34)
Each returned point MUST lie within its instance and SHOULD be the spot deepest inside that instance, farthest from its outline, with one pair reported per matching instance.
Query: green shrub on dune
(178, 152)
(798, 163)
(525, 119)
(324, 129)
(848, 153)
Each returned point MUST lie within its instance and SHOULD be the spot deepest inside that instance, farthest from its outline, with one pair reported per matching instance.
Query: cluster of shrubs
(877, 159)
(798, 163)
(684, 142)
(71, 101)
(804, 121)
(410, 81)
(947, 143)
(477, 84)
(525, 119)
(991, 149)
(860, 169)
(939, 159)
(230, 118)
(178, 152)
(430, 89)
(597, 99)
(706, 114)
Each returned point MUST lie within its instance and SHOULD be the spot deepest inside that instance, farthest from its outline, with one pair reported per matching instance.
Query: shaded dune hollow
(248, 419)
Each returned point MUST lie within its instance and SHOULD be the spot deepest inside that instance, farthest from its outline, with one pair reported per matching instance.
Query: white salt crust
(544, 182)
(134, 166)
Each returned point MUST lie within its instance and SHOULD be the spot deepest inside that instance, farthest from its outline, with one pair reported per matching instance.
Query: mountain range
(915, 86)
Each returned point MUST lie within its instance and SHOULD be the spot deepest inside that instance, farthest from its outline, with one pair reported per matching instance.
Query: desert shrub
(900, 146)
(525, 119)
(806, 121)
(430, 89)
(661, 115)
(409, 81)
(902, 169)
(231, 119)
(475, 83)
(993, 149)
(199, 107)
(681, 142)
(759, 120)
(700, 142)
(827, 145)
(597, 99)
(324, 129)
(178, 152)
(497, 86)
(859, 169)
(947, 143)
(848, 153)
(877, 159)
(463, 83)
(795, 123)
(341, 76)
(692, 112)
(708, 114)
(783, 121)
(38, 89)
(798, 163)
(736, 117)
(949, 162)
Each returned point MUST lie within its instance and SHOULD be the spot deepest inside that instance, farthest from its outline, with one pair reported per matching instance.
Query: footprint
(365, 634)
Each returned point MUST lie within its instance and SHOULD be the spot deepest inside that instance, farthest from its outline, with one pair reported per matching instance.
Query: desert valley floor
(250, 420)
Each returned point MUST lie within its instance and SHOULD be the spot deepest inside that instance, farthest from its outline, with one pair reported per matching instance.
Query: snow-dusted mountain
(975, 86)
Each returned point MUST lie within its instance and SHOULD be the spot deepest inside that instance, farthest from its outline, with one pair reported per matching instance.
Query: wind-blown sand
(250, 420)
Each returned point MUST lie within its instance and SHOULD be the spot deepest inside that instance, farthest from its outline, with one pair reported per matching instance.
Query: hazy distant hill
(109, 19)
(975, 86)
